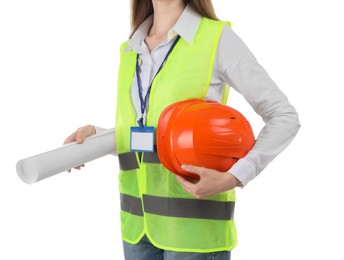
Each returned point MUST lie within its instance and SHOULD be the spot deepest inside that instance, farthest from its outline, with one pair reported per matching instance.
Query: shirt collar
(186, 26)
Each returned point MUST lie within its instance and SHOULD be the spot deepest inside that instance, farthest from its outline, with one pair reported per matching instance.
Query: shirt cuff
(244, 171)
(98, 129)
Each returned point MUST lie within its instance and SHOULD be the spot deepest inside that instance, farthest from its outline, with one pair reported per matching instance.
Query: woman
(179, 50)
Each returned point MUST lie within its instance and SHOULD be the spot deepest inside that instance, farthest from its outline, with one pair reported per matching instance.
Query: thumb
(193, 169)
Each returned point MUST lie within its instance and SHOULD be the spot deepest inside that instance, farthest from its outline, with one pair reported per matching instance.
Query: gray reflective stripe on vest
(189, 208)
(127, 161)
(131, 204)
(151, 158)
(185, 208)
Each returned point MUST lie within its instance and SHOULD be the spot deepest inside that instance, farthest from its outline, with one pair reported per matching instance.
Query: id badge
(142, 139)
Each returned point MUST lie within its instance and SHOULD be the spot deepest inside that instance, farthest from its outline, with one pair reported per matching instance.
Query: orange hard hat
(202, 133)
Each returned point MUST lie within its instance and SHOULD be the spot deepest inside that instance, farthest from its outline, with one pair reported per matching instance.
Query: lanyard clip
(140, 122)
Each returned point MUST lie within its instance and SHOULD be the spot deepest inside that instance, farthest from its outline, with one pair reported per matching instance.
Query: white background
(58, 70)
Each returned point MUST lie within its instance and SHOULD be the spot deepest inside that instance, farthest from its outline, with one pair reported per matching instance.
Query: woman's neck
(166, 14)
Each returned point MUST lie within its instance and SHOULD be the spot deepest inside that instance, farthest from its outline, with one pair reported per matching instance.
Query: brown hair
(141, 9)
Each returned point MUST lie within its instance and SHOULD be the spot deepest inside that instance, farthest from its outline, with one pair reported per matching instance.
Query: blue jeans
(144, 250)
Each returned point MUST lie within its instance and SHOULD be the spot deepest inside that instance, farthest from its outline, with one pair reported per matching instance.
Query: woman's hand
(211, 181)
(79, 136)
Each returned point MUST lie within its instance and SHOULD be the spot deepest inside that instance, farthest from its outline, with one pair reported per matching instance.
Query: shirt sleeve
(238, 67)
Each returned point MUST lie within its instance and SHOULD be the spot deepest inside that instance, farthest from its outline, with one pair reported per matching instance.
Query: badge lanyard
(143, 100)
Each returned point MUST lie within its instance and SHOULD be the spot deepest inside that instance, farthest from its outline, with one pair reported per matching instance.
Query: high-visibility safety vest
(152, 201)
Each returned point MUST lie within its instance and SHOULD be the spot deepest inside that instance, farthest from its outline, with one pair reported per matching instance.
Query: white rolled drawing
(44, 165)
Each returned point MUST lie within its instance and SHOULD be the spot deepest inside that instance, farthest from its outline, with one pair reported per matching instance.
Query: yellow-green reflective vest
(152, 200)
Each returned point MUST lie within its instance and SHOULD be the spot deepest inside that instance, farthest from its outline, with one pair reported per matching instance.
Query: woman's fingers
(70, 138)
(211, 182)
(79, 167)
(80, 134)
(79, 137)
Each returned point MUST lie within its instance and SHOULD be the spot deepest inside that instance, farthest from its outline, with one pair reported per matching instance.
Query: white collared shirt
(234, 65)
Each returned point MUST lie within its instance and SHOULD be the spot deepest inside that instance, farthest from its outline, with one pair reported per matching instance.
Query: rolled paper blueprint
(44, 165)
